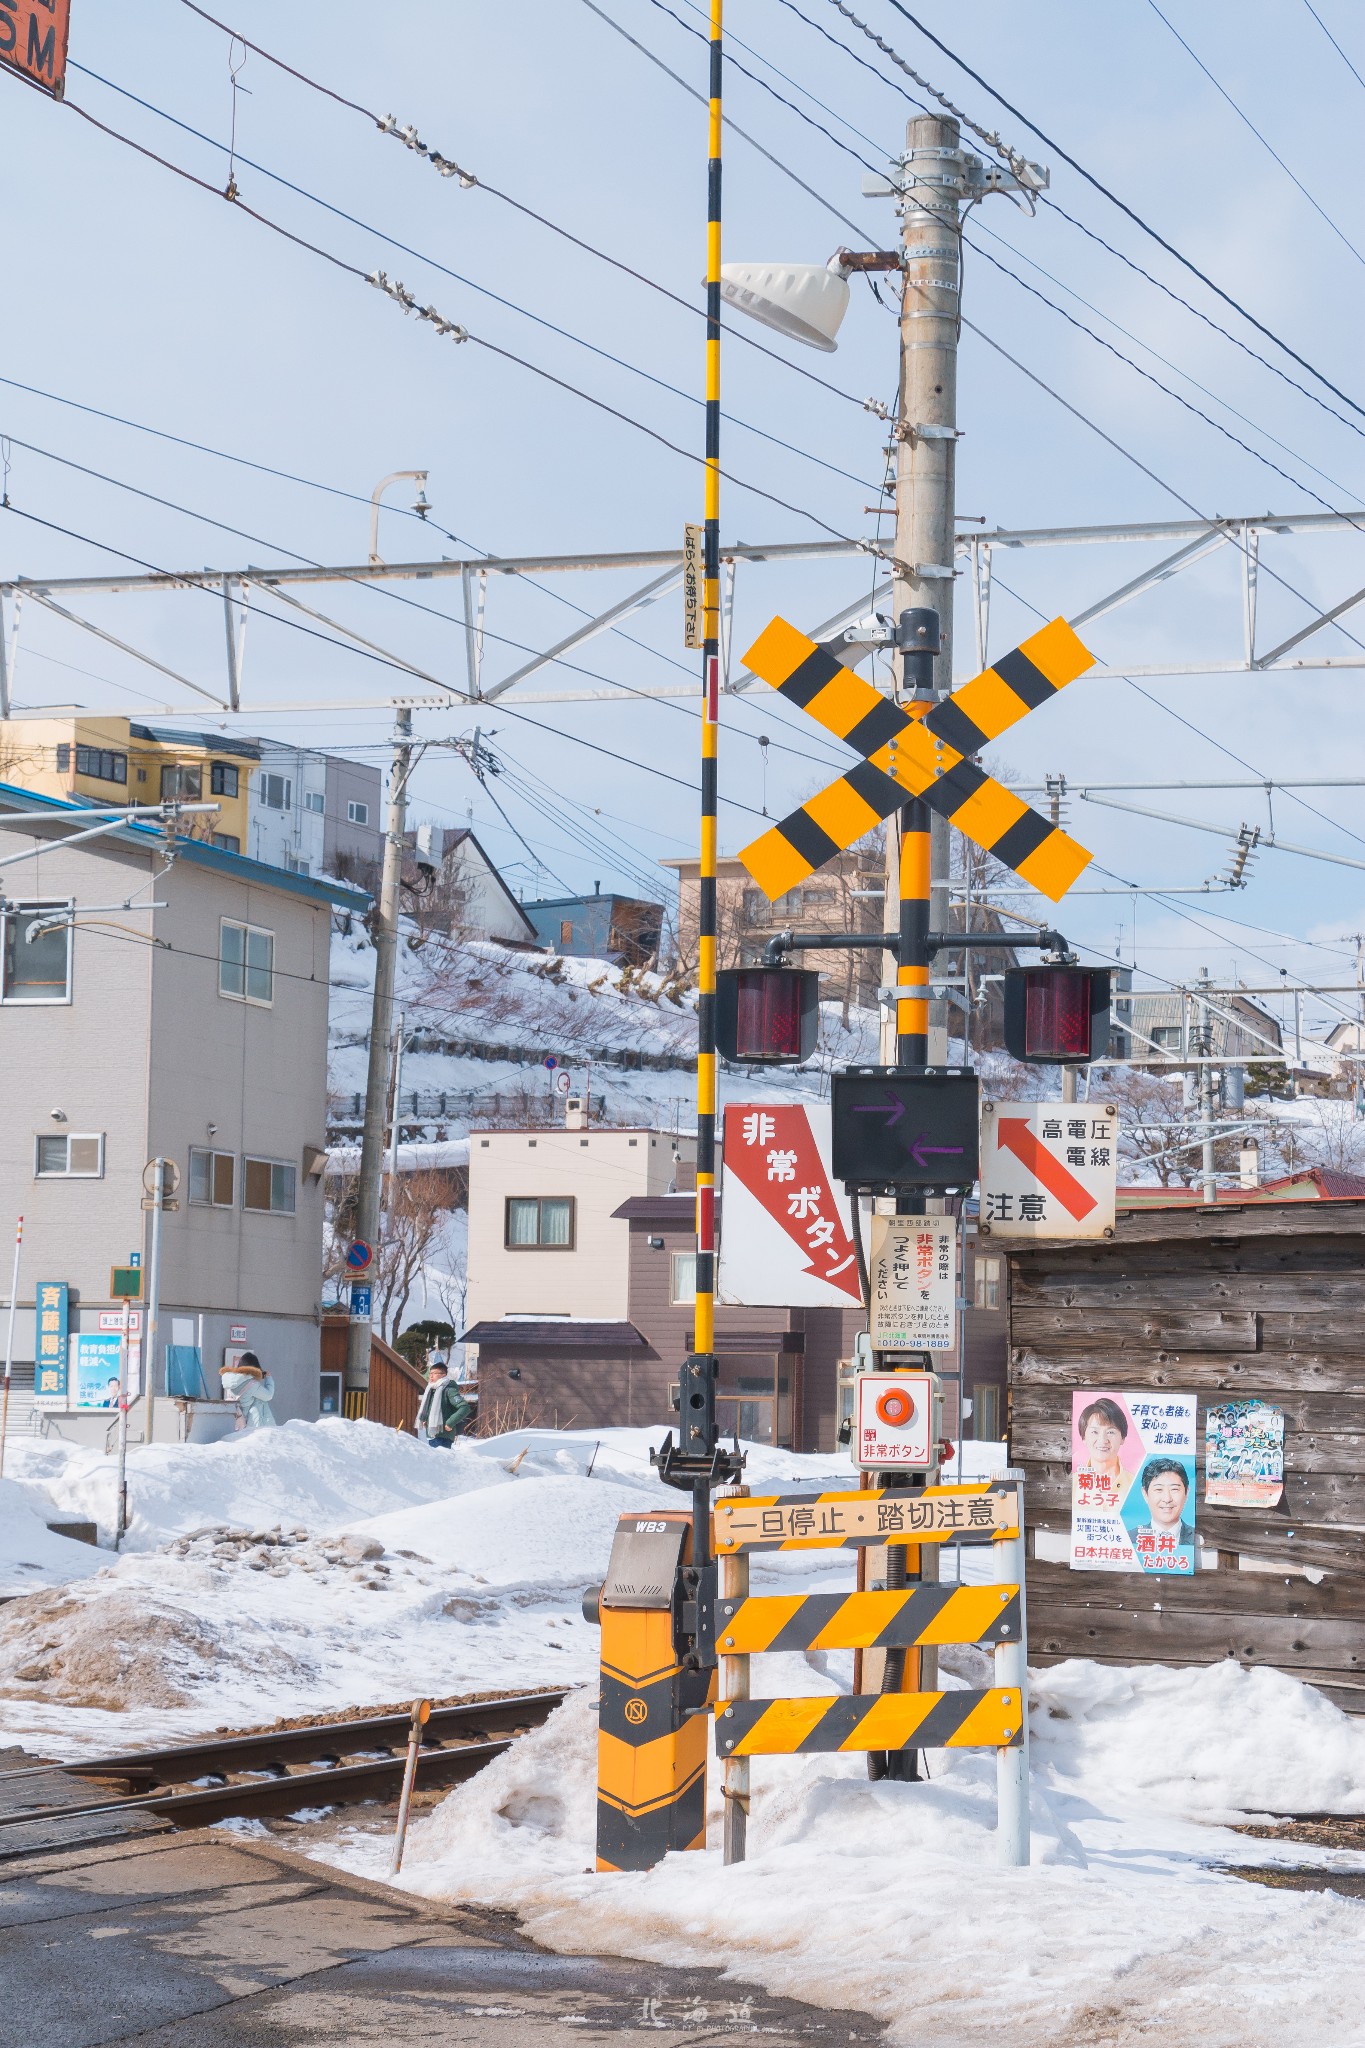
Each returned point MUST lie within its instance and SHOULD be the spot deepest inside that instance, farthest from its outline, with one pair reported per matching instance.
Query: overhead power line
(1333, 41)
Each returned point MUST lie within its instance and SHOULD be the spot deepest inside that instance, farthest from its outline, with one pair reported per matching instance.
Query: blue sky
(131, 290)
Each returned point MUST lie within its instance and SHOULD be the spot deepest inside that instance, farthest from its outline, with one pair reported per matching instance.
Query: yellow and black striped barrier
(916, 751)
(854, 1722)
(898, 1620)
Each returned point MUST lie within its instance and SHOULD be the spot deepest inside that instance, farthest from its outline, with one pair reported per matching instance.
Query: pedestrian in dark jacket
(444, 1412)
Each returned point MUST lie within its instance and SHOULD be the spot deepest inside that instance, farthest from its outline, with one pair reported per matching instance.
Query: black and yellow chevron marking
(859, 1721)
(909, 751)
(651, 1744)
(868, 1621)
(976, 1511)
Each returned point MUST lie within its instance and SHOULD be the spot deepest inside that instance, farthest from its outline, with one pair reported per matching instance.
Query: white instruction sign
(913, 1279)
(1048, 1169)
(894, 1420)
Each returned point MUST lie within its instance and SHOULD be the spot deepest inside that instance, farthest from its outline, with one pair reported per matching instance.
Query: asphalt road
(207, 1940)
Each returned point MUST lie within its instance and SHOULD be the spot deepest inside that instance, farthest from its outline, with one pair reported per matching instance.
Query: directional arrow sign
(1048, 1169)
(897, 1129)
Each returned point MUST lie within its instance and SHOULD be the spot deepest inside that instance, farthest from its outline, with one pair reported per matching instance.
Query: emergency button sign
(1048, 1169)
(894, 1423)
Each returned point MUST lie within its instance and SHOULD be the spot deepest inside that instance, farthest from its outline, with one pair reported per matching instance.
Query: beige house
(151, 1007)
(845, 896)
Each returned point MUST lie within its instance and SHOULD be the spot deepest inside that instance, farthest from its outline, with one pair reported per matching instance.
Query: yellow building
(115, 760)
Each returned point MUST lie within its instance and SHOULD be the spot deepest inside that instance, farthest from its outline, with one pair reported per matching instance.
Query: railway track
(333, 1763)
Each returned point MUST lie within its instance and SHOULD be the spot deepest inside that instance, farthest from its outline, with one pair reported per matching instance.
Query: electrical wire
(1247, 121)
(1333, 41)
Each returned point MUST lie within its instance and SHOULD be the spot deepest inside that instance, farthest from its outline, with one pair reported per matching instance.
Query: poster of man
(1132, 1481)
(95, 1370)
(1244, 1455)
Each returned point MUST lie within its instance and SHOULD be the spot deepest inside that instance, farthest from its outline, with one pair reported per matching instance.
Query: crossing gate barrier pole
(651, 1743)
(995, 1717)
(733, 1589)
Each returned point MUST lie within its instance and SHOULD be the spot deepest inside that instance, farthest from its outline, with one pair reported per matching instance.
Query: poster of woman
(1127, 1516)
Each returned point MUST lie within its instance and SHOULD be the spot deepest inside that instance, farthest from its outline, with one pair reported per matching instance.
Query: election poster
(785, 1228)
(1132, 1482)
(912, 1276)
(94, 1375)
(1244, 1455)
(50, 1363)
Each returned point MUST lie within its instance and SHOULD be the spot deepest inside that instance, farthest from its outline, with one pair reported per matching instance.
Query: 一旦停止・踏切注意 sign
(1048, 1169)
(912, 1277)
(916, 750)
(825, 1521)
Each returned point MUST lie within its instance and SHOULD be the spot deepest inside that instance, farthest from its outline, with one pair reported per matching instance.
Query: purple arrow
(920, 1152)
(896, 1111)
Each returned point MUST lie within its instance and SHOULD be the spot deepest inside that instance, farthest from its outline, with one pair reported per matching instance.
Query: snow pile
(887, 1899)
(31, 1554)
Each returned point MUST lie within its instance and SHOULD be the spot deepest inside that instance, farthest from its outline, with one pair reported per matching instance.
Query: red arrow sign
(1013, 1135)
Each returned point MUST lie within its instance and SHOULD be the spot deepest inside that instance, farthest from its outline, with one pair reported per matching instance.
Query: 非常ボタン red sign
(785, 1231)
(33, 41)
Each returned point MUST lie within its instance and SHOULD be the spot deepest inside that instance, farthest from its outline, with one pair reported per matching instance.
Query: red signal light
(1057, 1016)
(767, 1015)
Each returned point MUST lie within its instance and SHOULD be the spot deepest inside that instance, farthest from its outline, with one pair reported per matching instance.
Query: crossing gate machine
(658, 1680)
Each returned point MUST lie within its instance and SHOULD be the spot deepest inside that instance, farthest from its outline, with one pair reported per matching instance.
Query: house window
(985, 1398)
(222, 779)
(69, 1157)
(227, 842)
(314, 800)
(277, 791)
(246, 963)
(213, 1178)
(565, 932)
(295, 866)
(684, 1287)
(99, 763)
(270, 1185)
(36, 963)
(540, 1223)
(357, 813)
(986, 1283)
(182, 783)
(1167, 1036)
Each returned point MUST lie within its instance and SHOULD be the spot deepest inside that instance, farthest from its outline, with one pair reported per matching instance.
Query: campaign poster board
(912, 1277)
(52, 1307)
(786, 1233)
(1132, 1482)
(94, 1374)
(1048, 1169)
(1243, 1454)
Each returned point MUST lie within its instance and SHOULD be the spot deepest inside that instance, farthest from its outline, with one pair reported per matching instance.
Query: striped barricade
(996, 1717)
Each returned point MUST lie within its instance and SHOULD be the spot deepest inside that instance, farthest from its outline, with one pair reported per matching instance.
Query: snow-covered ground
(330, 1564)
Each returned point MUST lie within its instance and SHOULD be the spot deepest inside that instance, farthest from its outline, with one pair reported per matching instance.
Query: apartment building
(845, 896)
(151, 1011)
(313, 813)
(116, 761)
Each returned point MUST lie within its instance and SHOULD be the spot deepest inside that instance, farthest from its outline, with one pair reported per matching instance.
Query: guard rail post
(735, 1685)
(1011, 1669)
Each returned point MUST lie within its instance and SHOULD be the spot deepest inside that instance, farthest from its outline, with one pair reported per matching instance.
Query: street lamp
(421, 508)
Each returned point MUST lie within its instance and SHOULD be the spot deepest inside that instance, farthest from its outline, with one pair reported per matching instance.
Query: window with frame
(182, 783)
(223, 779)
(246, 962)
(986, 1283)
(314, 800)
(542, 1223)
(35, 965)
(294, 866)
(101, 764)
(277, 791)
(68, 1156)
(269, 1185)
(566, 931)
(1167, 1036)
(683, 1289)
(227, 842)
(357, 813)
(213, 1178)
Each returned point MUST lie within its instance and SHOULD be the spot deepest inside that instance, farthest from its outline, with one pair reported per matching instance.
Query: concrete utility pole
(381, 1035)
(935, 180)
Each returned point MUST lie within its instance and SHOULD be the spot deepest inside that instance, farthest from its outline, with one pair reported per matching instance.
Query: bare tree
(417, 1209)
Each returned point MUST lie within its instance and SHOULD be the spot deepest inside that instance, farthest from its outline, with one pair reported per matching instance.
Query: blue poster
(94, 1371)
(49, 1353)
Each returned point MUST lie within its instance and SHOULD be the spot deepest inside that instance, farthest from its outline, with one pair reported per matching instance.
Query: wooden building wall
(1264, 1301)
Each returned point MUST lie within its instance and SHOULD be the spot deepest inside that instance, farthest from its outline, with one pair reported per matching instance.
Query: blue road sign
(362, 1299)
(359, 1255)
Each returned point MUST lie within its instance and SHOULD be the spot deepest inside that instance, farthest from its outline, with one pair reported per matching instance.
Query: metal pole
(1011, 1671)
(421, 1710)
(121, 1512)
(154, 1295)
(381, 1030)
(704, 1330)
(396, 1082)
(735, 1685)
(926, 435)
(1210, 1177)
(9, 1335)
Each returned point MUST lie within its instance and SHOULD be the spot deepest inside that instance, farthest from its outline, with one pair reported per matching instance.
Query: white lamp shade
(803, 300)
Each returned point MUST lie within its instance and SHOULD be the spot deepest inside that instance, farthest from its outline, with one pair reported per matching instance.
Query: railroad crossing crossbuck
(916, 750)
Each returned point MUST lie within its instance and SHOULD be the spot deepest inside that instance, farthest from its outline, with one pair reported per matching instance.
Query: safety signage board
(113, 1319)
(1048, 1169)
(828, 1521)
(786, 1236)
(33, 37)
(359, 1255)
(893, 1420)
(693, 586)
(912, 1276)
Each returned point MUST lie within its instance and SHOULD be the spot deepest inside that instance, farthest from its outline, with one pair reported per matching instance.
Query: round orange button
(895, 1408)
